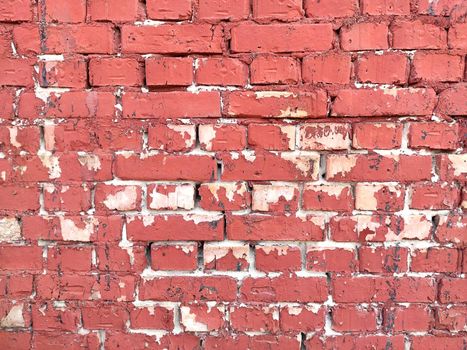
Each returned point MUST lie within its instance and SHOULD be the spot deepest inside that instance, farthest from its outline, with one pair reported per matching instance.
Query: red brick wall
(233, 174)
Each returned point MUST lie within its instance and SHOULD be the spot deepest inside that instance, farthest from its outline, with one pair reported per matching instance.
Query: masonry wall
(215, 174)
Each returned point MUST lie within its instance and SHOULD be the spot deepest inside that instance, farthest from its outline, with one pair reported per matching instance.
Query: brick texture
(233, 174)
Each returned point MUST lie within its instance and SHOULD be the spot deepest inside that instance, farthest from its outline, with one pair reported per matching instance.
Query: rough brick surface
(233, 174)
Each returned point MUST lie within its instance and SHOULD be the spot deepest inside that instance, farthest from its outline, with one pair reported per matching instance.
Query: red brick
(15, 340)
(255, 227)
(186, 38)
(417, 35)
(384, 7)
(267, 341)
(439, 8)
(81, 38)
(69, 73)
(379, 197)
(16, 10)
(19, 198)
(267, 10)
(26, 39)
(176, 227)
(304, 318)
(55, 340)
(47, 317)
(120, 340)
(452, 290)
(354, 319)
(281, 37)
(271, 137)
(327, 197)
(12, 258)
(169, 9)
(113, 10)
(430, 342)
(108, 198)
(220, 137)
(457, 36)
(451, 100)
(325, 136)
(171, 137)
(435, 196)
(377, 135)
(434, 67)
(275, 198)
(184, 289)
(223, 10)
(165, 167)
(206, 317)
(63, 11)
(16, 72)
(254, 318)
(330, 68)
(331, 9)
(221, 71)
(276, 104)
(274, 70)
(452, 318)
(69, 259)
(383, 102)
(174, 257)
(19, 138)
(270, 258)
(115, 71)
(168, 71)
(364, 36)
(104, 317)
(177, 104)
(434, 135)
(226, 257)
(6, 103)
(357, 341)
(224, 196)
(151, 317)
(434, 259)
(283, 289)
(17, 286)
(330, 260)
(389, 68)
(452, 167)
(171, 196)
(413, 318)
(382, 260)
(121, 259)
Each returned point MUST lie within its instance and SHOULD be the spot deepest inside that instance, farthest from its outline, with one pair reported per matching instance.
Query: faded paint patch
(10, 230)
(122, 200)
(14, 318)
(341, 167)
(71, 232)
(265, 195)
(182, 197)
(90, 161)
(189, 321)
(51, 163)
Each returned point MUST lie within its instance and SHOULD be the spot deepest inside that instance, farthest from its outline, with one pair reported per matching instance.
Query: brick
(389, 68)
(354, 319)
(186, 38)
(152, 317)
(266, 10)
(13, 11)
(177, 104)
(6, 103)
(186, 289)
(452, 290)
(329, 68)
(433, 67)
(434, 259)
(377, 135)
(270, 258)
(113, 10)
(221, 71)
(283, 289)
(254, 318)
(223, 10)
(378, 168)
(12, 258)
(19, 138)
(434, 196)
(274, 70)
(414, 318)
(451, 318)
(306, 318)
(176, 227)
(269, 341)
(65, 11)
(358, 341)
(325, 136)
(47, 317)
(258, 166)
(383, 260)
(104, 317)
(174, 167)
(457, 36)
(171, 137)
(277, 104)
(70, 73)
(224, 196)
(417, 35)
(434, 135)
(394, 102)
(431, 342)
(166, 71)
(54, 340)
(222, 137)
(83, 39)
(26, 39)
(108, 198)
(271, 137)
(281, 37)
(452, 167)
(121, 259)
(122, 340)
(69, 259)
(440, 8)
(379, 197)
(275, 198)
(169, 9)
(171, 197)
(115, 71)
(202, 318)
(450, 100)
(330, 260)
(383, 7)
(19, 198)
(226, 257)
(15, 340)
(174, 257)
(364, 36)
(331, 9)
(254, 227)
(16, 72)
(327, 197)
